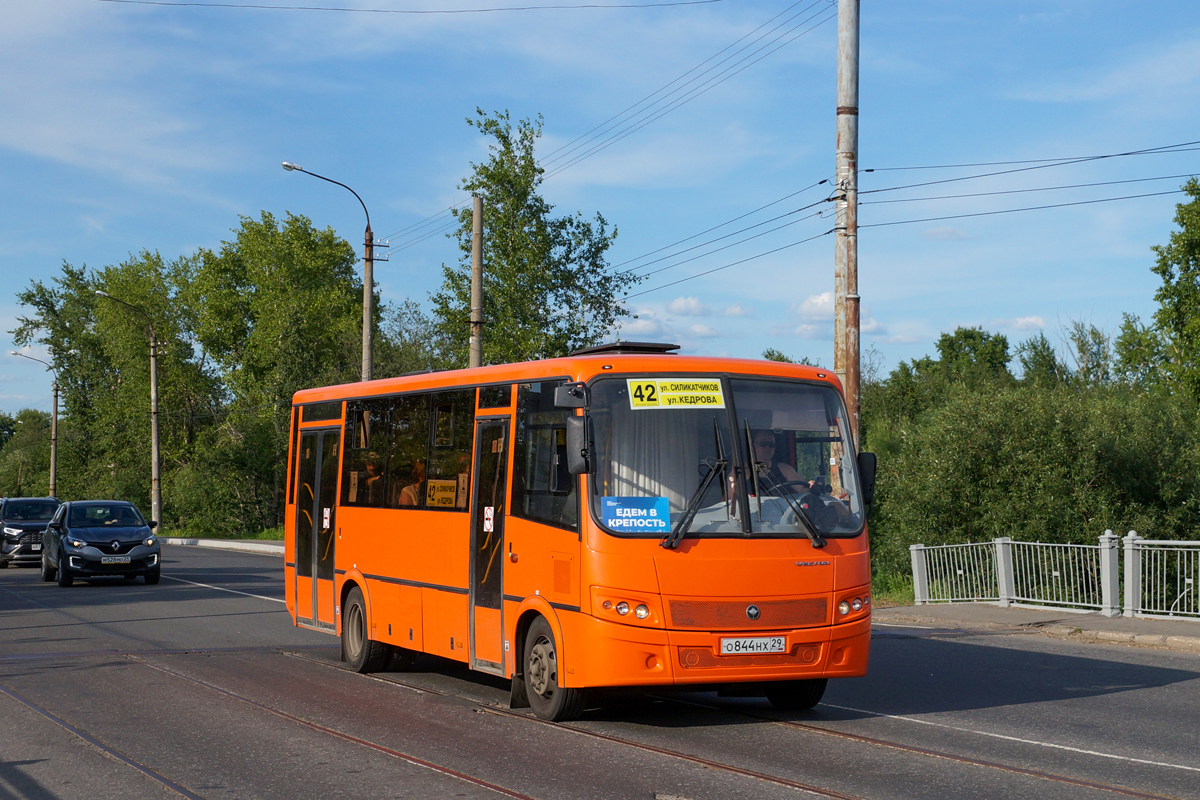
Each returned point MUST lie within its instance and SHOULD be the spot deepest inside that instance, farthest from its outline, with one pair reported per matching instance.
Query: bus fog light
(622, 608)
(843, 608)
(857, 604)
(607, 605)
(866, 600)
(641, 612)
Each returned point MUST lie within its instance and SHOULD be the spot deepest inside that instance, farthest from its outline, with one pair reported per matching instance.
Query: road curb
(270, 548)
(1189, 643)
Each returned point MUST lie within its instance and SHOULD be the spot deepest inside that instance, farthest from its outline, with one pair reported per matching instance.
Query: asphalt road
(201, 687)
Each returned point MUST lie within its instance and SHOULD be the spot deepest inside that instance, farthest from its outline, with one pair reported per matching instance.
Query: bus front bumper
(603, 653)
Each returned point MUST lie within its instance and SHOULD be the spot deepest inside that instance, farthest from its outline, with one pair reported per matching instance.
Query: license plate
(753, 644)
(114, 559)
(36, 547)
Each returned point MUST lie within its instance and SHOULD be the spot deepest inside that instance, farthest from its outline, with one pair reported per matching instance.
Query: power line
(733, 244)
(681, 77)
(605, 126)
(1026, 161)
(1165, 149)
(722, 225)
(712, 83)
(182, 3)
(727, 266)
(1015, 210)
(1022, 191)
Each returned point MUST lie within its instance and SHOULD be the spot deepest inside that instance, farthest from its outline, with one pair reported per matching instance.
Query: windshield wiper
(685, 522)
(810, 529)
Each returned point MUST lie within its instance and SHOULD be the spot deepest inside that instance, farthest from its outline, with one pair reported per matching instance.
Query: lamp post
(155, 483)
(368, 269)
(53, 424)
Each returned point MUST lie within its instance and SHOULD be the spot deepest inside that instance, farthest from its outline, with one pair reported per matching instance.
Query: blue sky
(130, 127)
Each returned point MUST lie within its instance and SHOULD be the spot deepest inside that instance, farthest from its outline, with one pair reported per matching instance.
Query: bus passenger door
(487, 545)
(316, 491)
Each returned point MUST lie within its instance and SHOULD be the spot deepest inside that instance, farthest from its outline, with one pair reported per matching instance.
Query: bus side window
(365, 454)
(408, 455)
(451, 432)
(543, 488)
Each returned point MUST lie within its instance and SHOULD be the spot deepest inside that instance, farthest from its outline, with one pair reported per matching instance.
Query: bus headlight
(843, 608)
(622, 608)
(856, 604)
(641, 612)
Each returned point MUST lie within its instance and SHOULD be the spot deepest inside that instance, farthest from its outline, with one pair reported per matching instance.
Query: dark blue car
(99, 538)
(23, 520)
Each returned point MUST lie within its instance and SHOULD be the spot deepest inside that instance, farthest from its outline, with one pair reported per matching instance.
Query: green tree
(547, 288)
(1040, 363)
(1177, 319)
(25, 456)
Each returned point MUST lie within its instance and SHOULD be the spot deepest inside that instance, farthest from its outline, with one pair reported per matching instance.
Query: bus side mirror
(578, 445)
(570, 395)
(866, 471)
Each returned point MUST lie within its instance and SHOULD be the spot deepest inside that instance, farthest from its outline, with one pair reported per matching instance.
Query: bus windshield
(745, 456)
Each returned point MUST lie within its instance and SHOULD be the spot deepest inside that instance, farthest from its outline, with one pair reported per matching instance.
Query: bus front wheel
(362, 654)
(548, 699)
(796, 695)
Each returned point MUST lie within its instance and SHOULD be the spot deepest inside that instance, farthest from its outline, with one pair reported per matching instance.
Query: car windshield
(778, 452)
(110, 516)
(29, 510)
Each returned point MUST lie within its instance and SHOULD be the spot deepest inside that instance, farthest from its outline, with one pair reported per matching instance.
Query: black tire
(152, 577)
(796, 695)
(358, 650)
(3, 563)
(65, 578)
(547, 699)
(129, 576)
(48, 572)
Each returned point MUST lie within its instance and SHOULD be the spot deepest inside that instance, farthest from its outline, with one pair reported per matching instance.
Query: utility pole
(476, 358)
(155, 477)
(368, 298)
(54, 443)
(845, 270)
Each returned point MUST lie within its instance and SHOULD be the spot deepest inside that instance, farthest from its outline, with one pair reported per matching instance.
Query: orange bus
(624, 516)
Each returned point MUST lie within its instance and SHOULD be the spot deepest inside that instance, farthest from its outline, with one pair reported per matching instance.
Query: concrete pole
(54, 443)
(155, 478)
(476, 358)
(845, 272)
(368, 298)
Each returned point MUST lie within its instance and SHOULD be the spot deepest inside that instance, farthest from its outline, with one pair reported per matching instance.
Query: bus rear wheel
(796, 695)
(362, 654)
(547, 699)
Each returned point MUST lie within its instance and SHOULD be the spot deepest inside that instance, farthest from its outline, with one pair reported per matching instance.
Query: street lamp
(368, 269)
(155, 483)
(53, 423)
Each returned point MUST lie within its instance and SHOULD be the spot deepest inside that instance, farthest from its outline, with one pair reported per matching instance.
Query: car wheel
(548, 699)
(3, 563)
(47, 570)
(152, 577)
(796, 695)
(65, 578)
(359, 651)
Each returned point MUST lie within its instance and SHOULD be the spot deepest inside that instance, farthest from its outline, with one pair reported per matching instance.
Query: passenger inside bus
(411, 495)
(374, 480)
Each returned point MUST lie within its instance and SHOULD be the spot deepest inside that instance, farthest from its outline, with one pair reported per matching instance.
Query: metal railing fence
(956, 573)
(1074, 577)
(1161, 577)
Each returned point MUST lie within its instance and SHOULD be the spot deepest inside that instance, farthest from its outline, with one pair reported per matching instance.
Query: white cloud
(945, 233)
(807, 331)
(736, 310)
(1027, 323)
(703, 331)
(817, 306)
(872, 327)
(689, 307)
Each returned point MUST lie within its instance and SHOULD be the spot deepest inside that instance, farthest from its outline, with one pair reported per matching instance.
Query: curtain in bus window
(543, 489)
(451, 430)
(408, 455)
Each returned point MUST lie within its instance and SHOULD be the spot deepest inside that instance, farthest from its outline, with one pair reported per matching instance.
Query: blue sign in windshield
(640, 514)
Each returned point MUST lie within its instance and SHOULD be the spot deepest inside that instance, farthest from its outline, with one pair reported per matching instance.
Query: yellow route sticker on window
(675, 393)
(441, 494)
